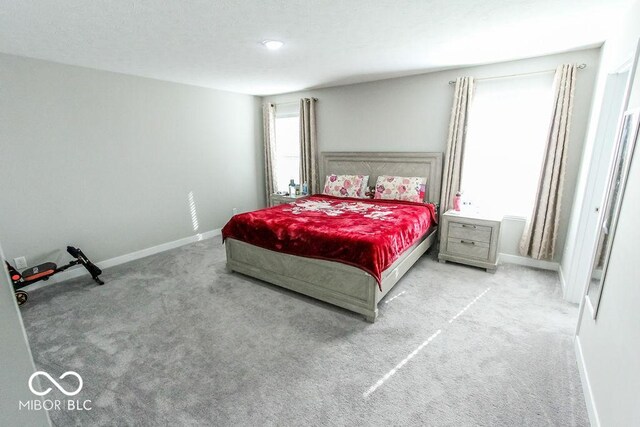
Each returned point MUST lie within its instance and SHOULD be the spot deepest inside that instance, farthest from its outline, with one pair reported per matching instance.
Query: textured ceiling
(327, 42)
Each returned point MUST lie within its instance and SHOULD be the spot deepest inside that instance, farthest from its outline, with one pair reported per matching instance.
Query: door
(602, 155)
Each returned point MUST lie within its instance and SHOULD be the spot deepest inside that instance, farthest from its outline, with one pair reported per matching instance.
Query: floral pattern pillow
(411, 189)
(344, 185)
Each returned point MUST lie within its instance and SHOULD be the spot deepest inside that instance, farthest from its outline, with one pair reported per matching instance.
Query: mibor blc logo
(57, 405)
(55, 383)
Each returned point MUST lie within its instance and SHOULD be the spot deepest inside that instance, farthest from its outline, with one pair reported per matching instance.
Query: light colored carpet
(174, 339)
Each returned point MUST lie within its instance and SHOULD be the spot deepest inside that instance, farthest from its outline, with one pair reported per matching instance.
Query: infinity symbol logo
(55, 383)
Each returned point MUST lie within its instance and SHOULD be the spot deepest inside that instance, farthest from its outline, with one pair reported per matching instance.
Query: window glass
(287, 160)
(508, 125)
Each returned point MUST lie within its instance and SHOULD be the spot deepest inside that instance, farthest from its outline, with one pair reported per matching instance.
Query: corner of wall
(17, 362)
(563, 283)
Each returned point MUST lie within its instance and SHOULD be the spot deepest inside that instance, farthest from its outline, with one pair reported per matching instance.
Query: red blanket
(368, 234)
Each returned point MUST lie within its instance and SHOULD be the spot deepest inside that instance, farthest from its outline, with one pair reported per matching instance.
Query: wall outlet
(235, 211)
(20, 262)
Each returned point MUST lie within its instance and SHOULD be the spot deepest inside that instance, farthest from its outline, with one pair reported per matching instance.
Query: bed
(338, 281)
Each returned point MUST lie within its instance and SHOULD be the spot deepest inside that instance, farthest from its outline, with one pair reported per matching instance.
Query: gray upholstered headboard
(376, 164)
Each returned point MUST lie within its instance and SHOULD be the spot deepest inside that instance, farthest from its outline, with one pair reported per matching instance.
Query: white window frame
(285, 111)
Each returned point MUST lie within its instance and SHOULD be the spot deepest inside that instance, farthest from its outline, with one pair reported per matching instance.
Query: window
(506, 139)
(287, 161)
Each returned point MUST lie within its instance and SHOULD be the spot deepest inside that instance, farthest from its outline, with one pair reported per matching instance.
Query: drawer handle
(466, 242)
(468, 226)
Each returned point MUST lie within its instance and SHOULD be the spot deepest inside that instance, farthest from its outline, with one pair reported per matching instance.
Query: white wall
(16, 363)
(106, 161)
(610, 345)
(412, 114)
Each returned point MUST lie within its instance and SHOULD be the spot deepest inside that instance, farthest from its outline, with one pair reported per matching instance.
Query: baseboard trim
(586, 385)
(81, 271)
(529, 262)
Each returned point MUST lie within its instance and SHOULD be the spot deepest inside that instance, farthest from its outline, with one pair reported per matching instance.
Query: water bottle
(456, 201)
(292, 188)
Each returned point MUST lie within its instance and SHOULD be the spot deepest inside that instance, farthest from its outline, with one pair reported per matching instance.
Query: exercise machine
(46, 270)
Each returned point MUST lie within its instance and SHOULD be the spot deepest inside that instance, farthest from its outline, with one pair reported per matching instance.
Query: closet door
(578, 267)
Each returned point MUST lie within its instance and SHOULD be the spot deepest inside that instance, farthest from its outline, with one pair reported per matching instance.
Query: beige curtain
(269, 123)
(463, 93)
(541, 232)
(308, 144)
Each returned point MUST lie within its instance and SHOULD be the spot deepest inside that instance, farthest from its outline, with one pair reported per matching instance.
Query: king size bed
(346, 251)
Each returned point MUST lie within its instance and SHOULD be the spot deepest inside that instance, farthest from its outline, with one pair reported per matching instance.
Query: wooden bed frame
(333, 282)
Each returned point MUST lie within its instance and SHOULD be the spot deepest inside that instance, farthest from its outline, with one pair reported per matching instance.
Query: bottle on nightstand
(457, 200)
(292, 187)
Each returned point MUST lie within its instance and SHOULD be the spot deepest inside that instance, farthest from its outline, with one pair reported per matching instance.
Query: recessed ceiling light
(272, 44)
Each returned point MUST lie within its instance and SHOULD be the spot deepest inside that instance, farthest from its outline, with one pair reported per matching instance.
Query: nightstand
(470, 238)
(280, 199)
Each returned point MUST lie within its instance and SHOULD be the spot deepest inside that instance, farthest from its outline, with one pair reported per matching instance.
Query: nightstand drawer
(478, 233)
(468, 248)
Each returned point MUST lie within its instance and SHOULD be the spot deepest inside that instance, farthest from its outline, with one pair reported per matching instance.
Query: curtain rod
(580, 67)
(289, 102)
